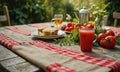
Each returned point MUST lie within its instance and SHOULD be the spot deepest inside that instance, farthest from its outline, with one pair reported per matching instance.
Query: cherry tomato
(110, 32)
(101, 36)
(108, 42)
(69, 24)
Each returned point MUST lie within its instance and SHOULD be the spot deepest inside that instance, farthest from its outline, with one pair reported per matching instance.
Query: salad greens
(72, 38)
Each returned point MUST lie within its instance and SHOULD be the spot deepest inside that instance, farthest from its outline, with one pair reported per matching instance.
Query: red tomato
(108, 42)
(89, 26)
(69, 24)
(110, 32)
(103, 43)
(71, 28)
(101, 36)
(67, 29)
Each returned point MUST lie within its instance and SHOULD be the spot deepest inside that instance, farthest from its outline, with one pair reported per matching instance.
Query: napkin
(19, 30)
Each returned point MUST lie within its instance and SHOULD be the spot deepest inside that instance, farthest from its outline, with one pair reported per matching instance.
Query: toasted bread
(47, 31)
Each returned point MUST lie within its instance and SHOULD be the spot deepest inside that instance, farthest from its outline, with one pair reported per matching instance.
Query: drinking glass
(58, 18)
(86, 39)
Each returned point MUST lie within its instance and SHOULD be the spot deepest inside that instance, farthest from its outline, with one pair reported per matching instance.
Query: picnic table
(19, 52)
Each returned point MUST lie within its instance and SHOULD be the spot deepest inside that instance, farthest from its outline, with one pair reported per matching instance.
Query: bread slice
(47, 31)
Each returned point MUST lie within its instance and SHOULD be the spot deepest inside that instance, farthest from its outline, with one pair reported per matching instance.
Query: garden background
(35, 11)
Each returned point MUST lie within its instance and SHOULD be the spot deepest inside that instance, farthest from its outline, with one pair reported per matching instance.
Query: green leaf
(118, 40)
(72, 38)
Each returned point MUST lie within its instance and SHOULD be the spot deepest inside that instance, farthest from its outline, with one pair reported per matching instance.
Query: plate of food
(48, 33)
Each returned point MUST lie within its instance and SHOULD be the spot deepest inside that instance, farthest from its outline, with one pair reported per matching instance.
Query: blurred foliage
(107, 6)
(34, 11)
(95, 7)
(25, 11)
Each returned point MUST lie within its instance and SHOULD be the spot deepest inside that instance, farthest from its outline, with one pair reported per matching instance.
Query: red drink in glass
(86, 39)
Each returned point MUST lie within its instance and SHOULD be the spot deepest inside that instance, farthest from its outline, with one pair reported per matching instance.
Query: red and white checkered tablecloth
(116, 31)
(19, 30)
(114, 65)
(56, 67)
(38, 25)
(7, 41)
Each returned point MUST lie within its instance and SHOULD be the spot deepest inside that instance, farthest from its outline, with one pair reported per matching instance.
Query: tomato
(69, 24)
(103, 43)
(77, 26)
(67, 29)
(108, 42)
(110, 32)
(89, 26)
(101, 36)
(71, 28)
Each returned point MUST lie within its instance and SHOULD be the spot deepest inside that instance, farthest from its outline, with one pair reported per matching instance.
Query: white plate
(36, 36)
